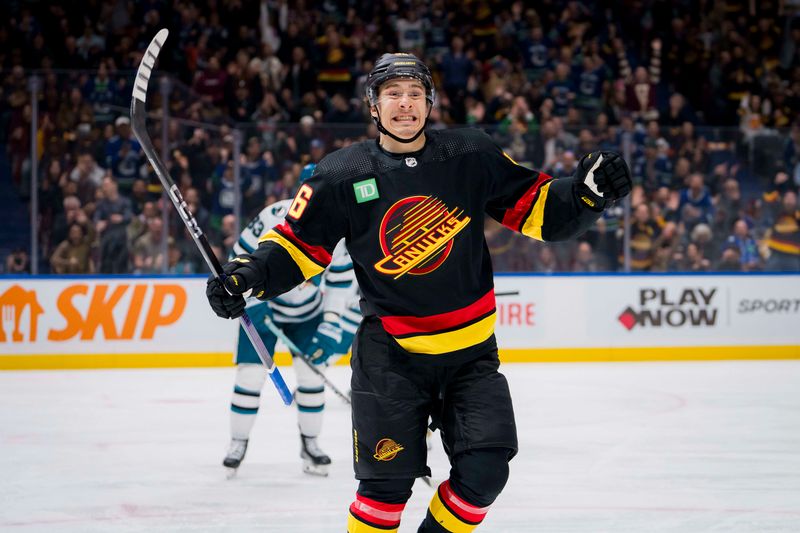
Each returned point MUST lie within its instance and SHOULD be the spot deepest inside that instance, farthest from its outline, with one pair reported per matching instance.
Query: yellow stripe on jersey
(308, 267)
(446, 519)
(533, 224)
(354, 525)
(452, 340)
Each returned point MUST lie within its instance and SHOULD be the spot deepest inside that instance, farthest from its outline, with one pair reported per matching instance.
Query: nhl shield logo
(411, 161)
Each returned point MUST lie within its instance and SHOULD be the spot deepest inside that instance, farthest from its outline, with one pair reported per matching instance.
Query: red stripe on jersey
(378, 513)
(514, 218)
(317, 253)
(461, 508)
(404, 325)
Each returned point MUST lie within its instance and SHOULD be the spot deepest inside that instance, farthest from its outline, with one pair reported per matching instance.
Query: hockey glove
(325, 341)
(240, 277)
(602, 177)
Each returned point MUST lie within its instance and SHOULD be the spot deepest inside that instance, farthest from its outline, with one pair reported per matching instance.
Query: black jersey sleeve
(301, 246)
(532, 202)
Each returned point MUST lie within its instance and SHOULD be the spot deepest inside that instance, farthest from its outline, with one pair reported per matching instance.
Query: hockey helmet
(307, 172)
(399, 65)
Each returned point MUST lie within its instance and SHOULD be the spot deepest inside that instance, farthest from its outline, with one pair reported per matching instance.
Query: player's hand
(224, 304)
(325, 342)
(240, 277)
(602, 177)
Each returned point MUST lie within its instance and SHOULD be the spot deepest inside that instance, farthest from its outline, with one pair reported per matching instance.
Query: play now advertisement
(648, 311)
(152, 320)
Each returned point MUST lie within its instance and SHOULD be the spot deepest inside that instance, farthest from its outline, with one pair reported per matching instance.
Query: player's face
(402, 106)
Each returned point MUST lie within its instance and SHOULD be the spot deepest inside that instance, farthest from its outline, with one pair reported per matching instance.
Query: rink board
(109, 322)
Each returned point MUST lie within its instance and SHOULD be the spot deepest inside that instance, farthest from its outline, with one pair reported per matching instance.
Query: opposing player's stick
(303, 357)
(139, 126)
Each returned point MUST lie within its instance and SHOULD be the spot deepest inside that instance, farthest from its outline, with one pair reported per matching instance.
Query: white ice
(628, 447)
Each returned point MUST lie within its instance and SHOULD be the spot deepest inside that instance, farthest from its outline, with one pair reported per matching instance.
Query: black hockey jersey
(413, 224)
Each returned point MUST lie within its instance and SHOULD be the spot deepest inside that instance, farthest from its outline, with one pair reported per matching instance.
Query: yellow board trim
(533, 224)
(523, 355)
(308, 267)
(124, 360)
(651, 353)
(452, 340)
(447, 519)
(356, 526)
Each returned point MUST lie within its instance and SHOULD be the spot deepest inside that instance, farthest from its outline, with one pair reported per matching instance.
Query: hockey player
(411, 208)
(319, 319)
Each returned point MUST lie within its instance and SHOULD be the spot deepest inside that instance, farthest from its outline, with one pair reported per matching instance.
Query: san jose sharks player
(320, 316)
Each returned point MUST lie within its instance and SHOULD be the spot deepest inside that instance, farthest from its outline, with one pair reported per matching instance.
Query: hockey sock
(246, 398)
(461, 503)
(310, 407)
(378, 505)
(310, 399)
(449, 512)
(371, 516)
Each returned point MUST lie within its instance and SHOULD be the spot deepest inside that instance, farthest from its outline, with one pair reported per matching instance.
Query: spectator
(73, 255)
(695, 204)
(585, 260)
(730, 260)
(644, 232)
(456, 67)
(70, 214)
(783, 238)
(123, 154)
(746, 245)
(148, 250)
(546, 260)
(210, 83)
(87, 175)
(17, 262)
(535, 51)
(640, 88)
(111, 219)
(561, 90)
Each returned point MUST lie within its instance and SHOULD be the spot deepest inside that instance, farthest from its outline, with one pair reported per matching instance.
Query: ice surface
(628, 447)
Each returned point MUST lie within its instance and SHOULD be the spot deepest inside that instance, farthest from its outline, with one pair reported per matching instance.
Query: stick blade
(147, 65)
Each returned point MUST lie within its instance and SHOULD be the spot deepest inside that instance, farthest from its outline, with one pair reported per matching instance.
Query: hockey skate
(234, 456)
(315, 461)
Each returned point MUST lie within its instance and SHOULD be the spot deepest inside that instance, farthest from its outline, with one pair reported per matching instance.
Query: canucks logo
(416, 235)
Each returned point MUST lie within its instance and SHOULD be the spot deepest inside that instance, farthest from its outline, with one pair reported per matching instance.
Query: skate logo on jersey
(416, 235)
(673, 308)
(411, 162)
(387, 449)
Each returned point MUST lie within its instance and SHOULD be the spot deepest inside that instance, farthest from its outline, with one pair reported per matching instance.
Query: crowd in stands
(702, 98)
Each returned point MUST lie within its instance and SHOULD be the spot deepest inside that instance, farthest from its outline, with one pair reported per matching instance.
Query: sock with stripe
(246, 398)
(449, 512)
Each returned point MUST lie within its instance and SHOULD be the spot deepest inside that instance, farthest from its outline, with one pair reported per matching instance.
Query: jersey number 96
(300, 201)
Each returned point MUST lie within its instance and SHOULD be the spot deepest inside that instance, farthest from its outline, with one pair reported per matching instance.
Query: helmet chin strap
(382, 129)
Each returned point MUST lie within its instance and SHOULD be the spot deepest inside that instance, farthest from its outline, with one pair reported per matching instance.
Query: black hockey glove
(239, 276)
(602, 177)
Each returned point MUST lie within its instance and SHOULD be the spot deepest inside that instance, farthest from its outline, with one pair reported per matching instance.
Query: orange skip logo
(99, 315)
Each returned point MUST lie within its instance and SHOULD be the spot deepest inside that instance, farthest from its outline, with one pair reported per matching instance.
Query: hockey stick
(296, 351)
(507, 293)
(139, 126)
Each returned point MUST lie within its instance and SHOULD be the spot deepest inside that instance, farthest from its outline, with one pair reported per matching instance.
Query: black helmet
(399, 65)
